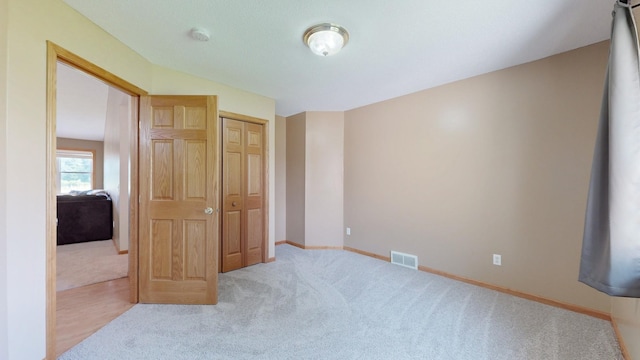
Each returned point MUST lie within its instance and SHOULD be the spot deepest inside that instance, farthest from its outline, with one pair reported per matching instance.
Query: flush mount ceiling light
(325, 39)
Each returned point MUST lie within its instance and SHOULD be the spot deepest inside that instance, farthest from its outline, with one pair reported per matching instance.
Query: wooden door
(178, 243)
(243, 194)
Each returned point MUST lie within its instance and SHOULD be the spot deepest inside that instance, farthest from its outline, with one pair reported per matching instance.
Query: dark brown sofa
(84, 217)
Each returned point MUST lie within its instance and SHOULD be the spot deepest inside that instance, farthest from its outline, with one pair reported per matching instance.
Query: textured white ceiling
(395, 47)
(81, 105)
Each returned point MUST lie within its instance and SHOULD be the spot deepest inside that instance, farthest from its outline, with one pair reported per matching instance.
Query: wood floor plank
(82, 311)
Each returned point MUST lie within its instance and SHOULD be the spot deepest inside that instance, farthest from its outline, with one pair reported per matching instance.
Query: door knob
(233, 203)
(208, 211)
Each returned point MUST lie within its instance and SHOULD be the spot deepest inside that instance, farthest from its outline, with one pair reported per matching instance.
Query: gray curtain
(611, 245)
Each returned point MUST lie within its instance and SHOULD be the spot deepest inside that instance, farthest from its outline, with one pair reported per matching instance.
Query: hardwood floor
(82, 311)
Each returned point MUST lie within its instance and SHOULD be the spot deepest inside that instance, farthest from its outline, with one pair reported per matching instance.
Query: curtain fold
(611, 244)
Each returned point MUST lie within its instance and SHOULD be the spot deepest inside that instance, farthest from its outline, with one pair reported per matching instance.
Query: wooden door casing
(178, 241)
(243, 194)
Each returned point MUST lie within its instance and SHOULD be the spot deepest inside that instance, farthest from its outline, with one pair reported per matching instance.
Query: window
(75, 170)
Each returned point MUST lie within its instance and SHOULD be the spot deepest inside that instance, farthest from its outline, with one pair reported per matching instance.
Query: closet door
(254, 197)
(242, 194)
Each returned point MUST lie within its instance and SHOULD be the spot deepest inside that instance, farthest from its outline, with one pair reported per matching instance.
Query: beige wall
(4, 326)
(97, 146)
(497, 163)
(296, 129)
(169, 81)
(30, 23)
(281, 178)
(324, 149)
(314, 190)
(116, 162)
(626, 313)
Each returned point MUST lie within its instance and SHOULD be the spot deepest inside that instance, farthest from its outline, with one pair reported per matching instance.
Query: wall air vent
(406, 260)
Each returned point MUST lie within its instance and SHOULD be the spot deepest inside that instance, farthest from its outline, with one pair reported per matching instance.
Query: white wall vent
(406, 260)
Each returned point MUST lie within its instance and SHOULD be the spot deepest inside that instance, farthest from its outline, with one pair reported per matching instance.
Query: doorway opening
(59, 57)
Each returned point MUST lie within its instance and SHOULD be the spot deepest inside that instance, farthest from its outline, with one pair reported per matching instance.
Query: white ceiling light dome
(326, 39)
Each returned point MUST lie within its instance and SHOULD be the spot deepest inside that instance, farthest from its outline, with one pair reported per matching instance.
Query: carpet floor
(88, 263)
(332, 304)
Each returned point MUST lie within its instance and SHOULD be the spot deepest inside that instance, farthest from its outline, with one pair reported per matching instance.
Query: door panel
(243, 194)
(232, 201)
(161, 233)
(233, 175)
(254, 179)
(196, 245)
(255, 233)
(254, 175)
(195, 170)
(232, 244)
(162, 177)
(178, 239)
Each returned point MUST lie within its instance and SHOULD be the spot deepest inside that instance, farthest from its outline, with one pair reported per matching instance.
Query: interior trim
(134, 189)
(524, 295)
(120, 252)
(77, 62)
(265, 126)
(51, 216)
(295, 244)
(240, 117)
(311, 247)
(56, 53)
(366, 253)
(520, 294)
(623, 347)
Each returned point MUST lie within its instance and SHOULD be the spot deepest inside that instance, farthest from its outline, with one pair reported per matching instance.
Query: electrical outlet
(497, 259)
(348, 231)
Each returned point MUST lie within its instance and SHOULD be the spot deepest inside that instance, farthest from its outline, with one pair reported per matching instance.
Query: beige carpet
(88, 263)
(334, 304)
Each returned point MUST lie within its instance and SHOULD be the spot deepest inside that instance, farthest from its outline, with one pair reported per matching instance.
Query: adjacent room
(92, 172)
(296, 179)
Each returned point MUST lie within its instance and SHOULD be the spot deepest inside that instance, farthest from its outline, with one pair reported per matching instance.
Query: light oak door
(243, 194)
(178, 243)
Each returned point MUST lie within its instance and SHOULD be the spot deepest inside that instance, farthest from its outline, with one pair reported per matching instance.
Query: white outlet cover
(497, 259)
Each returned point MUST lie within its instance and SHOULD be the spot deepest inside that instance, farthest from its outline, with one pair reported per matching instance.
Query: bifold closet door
(242, 194)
